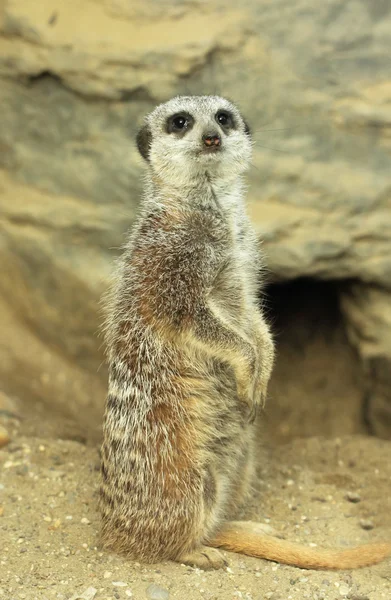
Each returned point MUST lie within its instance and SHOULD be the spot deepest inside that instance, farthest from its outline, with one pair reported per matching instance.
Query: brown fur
(242, 537)
(190, 356)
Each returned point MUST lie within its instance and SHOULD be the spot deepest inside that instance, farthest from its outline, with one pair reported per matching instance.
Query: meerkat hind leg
(205, 558)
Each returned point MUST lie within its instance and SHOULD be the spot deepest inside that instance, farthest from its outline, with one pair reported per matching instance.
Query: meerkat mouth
(210, 151)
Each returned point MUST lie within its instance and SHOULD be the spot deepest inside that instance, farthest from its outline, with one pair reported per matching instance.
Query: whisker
(102, 364)
(268, 122)
(289, 128)
(278, 129)
(274, 149)
(252, 164)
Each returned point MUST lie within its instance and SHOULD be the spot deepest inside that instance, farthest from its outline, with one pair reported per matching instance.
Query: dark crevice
(317, 386)
(318, 300)
(140, 94)
(366, 410)
(44, 76)
(47, 78)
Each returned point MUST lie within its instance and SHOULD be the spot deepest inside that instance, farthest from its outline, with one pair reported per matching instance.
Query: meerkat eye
(179, 123)
(224, 119)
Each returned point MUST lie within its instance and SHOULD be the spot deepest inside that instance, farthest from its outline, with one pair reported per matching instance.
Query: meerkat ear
(143, 140)
(247, 128)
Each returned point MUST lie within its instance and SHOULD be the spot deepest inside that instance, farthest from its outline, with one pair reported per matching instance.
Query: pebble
(119, 584)
(4, 437)
(353, 497)
(88, 594)
(366, 524)
(56, 524)
(344, 589)
(85, 521)
(319, 499)
(155, 592)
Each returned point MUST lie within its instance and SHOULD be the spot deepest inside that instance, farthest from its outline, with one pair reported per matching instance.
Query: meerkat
(190, 354)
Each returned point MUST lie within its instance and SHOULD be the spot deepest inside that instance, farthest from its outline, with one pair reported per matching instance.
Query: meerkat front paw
(265, 365)
(245, 376)
(204, 558)
(260, 389)
(245, 392)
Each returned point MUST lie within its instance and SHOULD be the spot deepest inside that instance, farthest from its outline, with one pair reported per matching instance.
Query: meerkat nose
(211, 139)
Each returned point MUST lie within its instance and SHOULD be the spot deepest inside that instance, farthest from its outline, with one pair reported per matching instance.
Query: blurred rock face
(76, 78)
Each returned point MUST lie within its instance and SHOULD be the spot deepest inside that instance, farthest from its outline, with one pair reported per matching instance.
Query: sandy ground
(49, 524)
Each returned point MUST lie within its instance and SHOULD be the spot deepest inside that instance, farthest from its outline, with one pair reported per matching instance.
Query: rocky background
(313, 79)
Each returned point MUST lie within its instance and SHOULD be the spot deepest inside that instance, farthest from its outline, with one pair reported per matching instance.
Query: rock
(130, 50)
(353, 497)
(4, 437)
(71, 99)
(366, 524)
(155, 592)
(367, 312)
(343, 589)
(88, 594)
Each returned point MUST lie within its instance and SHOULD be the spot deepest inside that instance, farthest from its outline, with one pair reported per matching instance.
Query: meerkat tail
(242, 537)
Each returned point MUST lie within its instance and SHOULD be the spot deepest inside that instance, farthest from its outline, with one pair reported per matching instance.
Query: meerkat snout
(212, 141)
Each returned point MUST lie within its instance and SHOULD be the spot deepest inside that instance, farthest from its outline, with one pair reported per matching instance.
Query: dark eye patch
(247, 128)
(179, 123)
(225, 119)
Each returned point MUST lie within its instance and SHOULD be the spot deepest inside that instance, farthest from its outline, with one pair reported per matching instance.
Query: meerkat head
(191, 136)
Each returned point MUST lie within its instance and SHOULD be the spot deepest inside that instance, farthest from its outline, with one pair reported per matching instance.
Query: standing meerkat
(190, 354)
